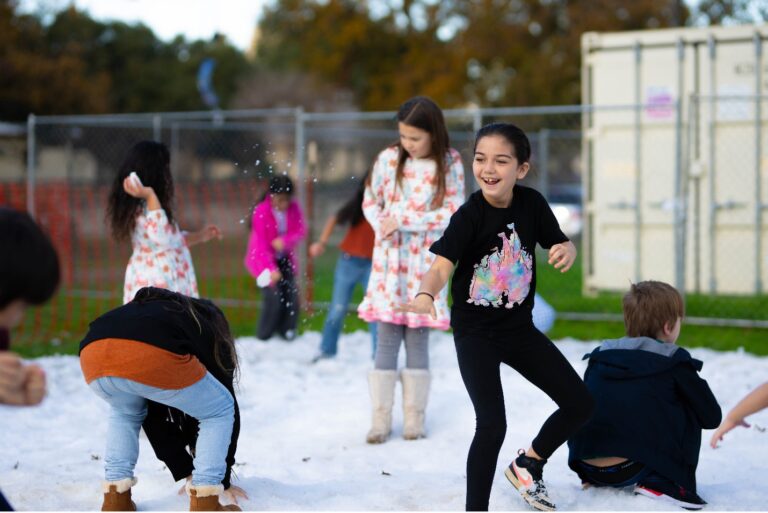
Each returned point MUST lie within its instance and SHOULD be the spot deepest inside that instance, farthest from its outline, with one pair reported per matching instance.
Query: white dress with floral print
(160, 257)
(400, 263)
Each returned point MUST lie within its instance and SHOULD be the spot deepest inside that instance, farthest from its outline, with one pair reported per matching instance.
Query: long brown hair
(423, 113)
(152, 163)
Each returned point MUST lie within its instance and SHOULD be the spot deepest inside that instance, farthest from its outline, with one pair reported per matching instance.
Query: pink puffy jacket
(260, 254)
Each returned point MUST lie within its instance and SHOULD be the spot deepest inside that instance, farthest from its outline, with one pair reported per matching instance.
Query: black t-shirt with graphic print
(495, 279)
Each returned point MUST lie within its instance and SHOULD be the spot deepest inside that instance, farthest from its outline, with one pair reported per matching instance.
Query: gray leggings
(388, 346)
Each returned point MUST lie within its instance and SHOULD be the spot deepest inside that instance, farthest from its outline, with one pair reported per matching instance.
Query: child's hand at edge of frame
(727, 425)
(20, 384)
(562, 256)
(421, 304)
(34, 384)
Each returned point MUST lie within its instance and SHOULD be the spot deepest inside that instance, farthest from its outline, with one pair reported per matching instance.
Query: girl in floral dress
(143, 211)
(414, 188)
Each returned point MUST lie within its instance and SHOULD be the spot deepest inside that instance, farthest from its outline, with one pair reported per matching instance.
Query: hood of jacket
(633, 357)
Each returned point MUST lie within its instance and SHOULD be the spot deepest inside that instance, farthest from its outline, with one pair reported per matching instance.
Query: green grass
(58, 326)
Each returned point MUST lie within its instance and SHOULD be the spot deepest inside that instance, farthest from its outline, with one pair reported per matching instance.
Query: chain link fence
(710, 229)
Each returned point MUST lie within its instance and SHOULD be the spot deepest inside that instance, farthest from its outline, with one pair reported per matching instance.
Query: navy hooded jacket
(651, 406)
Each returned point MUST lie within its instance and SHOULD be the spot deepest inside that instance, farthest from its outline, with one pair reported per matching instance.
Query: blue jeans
(350, 271)
(207, 400)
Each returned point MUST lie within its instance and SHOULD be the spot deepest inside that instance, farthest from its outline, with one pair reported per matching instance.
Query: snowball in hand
(135, 179)
(264, 278)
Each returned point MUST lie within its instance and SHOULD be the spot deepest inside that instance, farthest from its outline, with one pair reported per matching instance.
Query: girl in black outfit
(491, 241)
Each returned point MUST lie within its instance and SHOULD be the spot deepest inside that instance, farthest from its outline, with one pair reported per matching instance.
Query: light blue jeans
(350, 271)
(207, 400)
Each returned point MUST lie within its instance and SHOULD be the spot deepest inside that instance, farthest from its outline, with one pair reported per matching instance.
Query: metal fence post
(544, 162)
(638, 163)
(157, 128)
(174, 148)
(298, 157)
(31, 164)
(712, 165)
(758, 163)
(679, 203)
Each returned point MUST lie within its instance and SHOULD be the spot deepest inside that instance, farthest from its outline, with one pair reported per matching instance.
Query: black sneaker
(659, 487)
(527, 476)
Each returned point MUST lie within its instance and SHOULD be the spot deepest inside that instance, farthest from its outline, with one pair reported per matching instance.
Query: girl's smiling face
(497, 169)
(417, 142)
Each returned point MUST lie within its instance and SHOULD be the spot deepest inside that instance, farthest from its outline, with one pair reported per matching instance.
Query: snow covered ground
(302, 444)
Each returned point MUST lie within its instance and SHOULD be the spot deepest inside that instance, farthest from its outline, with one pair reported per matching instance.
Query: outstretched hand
(233, 493)
(316, 249)
(204, 234)
(421, 304)
(210, 231)
(727, 425)
(562, 256)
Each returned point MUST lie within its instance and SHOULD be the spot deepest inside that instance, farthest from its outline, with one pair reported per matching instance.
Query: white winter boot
(381, 384)
(415, 395)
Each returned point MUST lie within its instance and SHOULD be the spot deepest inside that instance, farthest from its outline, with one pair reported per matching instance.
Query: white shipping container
(674, 149)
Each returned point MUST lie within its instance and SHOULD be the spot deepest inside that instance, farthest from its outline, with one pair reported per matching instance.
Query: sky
(302, 441)
(195, 19)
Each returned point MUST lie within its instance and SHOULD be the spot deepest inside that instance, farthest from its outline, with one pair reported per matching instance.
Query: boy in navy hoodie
(651, 404)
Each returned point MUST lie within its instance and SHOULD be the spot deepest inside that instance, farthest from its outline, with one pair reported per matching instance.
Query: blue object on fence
(204, 82)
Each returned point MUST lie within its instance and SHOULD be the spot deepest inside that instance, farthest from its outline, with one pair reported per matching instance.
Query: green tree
(78, 65)
(146, 74)
(31, 80)
(489, 52)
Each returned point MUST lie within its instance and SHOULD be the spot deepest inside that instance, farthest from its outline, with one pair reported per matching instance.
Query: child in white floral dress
(414, 188)
(143, 210)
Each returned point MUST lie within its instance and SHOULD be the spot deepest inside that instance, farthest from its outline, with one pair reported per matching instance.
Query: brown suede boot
(117, 495)
(206, 498)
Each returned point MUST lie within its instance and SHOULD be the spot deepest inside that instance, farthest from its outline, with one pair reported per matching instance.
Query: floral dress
(160, 257)
(400, 263)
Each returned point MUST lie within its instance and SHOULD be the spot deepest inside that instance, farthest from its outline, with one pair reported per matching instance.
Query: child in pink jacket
(277, 226)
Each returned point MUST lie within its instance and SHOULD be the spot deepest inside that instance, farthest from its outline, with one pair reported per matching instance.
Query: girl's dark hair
(278, 184)
(209, 318)
(29, 265)
(513, 134)
(281, 184)
(352, 211)
(152, 162)
(423, 113)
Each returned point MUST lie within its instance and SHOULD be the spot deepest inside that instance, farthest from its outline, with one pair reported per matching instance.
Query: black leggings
(280, 308)
(536, 358)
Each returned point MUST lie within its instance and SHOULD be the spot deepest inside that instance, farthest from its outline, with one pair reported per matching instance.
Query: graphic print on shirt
(504, 272)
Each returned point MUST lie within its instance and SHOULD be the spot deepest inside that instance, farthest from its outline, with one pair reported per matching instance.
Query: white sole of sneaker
(512, 478)
(640, 490)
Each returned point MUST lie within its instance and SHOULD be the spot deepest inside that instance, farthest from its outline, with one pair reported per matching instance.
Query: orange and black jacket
(165, 325)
